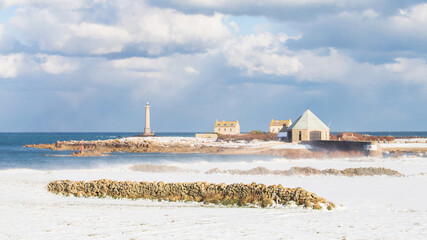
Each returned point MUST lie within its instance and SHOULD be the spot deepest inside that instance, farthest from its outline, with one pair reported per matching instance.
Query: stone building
(308, 127)
(227, 127)
(277, 125)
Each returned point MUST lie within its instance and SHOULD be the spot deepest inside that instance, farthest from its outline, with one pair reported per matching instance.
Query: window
(300, 135)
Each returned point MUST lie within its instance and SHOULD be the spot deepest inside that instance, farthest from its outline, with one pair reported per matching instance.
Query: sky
(91, 65)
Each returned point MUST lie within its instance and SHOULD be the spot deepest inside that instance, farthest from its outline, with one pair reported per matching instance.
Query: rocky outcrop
(160, 168)
(88, 154)
(212, 146)
(316, 153)
(306, 171)
(352, 136)
(119, 145)
(232, 194)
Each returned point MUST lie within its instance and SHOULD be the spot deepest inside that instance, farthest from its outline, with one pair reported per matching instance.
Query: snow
(404, 145)
(292, 146)
(202, 141)
(369, 207)
(411, 140)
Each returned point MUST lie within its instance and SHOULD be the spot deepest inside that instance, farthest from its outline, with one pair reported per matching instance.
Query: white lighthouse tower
(147, 130)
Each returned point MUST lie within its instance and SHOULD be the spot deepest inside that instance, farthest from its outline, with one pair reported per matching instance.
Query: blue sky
(91, 65)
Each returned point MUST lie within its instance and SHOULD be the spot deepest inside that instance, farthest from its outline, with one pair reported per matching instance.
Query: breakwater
(231, 194)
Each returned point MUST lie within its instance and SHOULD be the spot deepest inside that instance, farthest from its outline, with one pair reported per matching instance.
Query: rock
(306, 171)
(240, 194)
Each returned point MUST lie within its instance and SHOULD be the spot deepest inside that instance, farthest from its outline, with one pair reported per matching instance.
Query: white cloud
(2, 37)
(64, 32)
(148, 76)
(111, 39)
(266, 54)
(234, 25)
(7, 3)
(219, 4)
(55, 64)
(155, 29)
(368, 31)
(142, 64)
(324, 67)
(62, 4)
(14, 65)
(9, 65)
(191, 70)
(410, 70)
(262, 53)
(132, 25)
(411, 21)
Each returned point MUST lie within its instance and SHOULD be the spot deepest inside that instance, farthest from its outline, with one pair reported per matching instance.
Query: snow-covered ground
(407, 143)
(205, 142)
(411, 140)
(369, 207)
(404, 145)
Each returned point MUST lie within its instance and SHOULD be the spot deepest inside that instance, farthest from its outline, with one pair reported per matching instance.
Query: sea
(14, 156)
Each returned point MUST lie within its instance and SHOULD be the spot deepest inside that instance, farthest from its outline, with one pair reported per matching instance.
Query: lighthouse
(147, 130)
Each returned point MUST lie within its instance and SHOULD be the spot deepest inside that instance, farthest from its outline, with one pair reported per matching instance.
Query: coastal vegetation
(252, 135)
(352, 136)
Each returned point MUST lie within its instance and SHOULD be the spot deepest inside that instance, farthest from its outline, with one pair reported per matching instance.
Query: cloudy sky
(90, 65)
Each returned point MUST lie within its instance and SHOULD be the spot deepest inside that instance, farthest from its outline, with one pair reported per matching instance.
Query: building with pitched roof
(277, 125)
(308, 127)
(227, 127)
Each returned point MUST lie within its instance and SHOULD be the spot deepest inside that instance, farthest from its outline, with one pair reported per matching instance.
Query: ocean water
(13, 155)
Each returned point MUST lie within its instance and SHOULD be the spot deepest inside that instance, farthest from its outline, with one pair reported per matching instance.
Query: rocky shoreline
(199, 145)
(301, 171)
(137, 145)
(232, 194)
(308, 171)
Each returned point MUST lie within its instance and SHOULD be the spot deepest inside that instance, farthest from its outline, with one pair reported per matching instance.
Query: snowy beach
(376, 207)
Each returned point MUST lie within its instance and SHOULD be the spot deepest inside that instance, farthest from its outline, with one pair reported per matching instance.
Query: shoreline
(211, 146)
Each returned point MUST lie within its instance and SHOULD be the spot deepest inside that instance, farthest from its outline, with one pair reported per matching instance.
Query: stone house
(308, 127)
(227, 127)
(277, 125)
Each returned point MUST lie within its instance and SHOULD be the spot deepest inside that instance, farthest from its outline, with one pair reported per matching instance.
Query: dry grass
(248, 137)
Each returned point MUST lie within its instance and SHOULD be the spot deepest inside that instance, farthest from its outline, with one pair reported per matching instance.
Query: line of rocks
(160, 168)
(306, 171)
(120, 145)
(232, 194)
